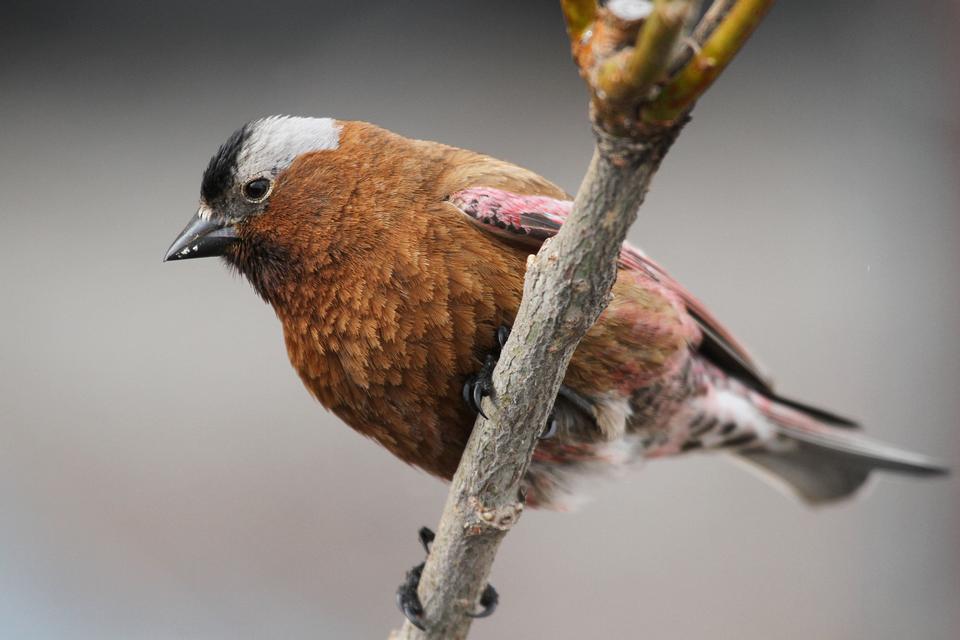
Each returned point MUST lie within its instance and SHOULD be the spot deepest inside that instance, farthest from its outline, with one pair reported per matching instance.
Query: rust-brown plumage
(390, 298)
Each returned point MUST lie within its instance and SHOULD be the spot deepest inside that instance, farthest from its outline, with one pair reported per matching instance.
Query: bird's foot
(480, 385)
(408, 600)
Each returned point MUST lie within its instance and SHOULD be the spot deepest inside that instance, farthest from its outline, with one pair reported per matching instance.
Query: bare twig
(716, 12)
(566, 288)
(678, 97)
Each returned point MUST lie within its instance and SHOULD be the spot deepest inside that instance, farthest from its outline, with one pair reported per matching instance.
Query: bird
(396, 268)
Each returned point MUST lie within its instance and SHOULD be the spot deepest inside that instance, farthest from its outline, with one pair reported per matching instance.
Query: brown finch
(392, 264)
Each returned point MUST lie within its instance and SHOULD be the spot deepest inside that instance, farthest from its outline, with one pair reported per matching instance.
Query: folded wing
(529, 220)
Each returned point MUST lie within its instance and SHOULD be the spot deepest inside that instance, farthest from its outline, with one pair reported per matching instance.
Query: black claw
(551, 429)
(503, 332)
(407, 599)
(488, 601)
(426, 536)
(468, 390)
(480, 386)
(478, 399)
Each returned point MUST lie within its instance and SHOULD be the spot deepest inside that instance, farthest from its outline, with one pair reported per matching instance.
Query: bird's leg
(409, 601)
(480, 385)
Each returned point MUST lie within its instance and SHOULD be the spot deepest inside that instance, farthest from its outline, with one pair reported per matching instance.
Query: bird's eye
(256, 190)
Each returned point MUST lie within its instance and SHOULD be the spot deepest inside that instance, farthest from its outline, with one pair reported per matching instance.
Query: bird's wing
(467, 170)
(531, 219)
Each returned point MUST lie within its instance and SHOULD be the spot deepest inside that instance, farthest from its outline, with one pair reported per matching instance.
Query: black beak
(201, 238)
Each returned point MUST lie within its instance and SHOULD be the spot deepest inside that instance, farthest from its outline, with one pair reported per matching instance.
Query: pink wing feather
(530, 220)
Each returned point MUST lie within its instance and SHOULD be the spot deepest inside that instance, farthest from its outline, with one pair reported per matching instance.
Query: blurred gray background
(164, 475)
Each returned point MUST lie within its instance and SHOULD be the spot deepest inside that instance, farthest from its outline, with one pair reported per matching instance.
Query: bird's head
(270, 180)
(242, 178)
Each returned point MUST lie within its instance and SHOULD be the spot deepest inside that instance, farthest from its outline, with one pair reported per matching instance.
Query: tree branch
(566, 288)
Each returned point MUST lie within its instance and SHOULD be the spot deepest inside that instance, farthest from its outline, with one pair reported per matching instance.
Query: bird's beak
(201, 238)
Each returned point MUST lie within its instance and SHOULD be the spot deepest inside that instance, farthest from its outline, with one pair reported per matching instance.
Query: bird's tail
(822, 458)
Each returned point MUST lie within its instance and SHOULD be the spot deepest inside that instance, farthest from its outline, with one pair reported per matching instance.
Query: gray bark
(566, 288)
